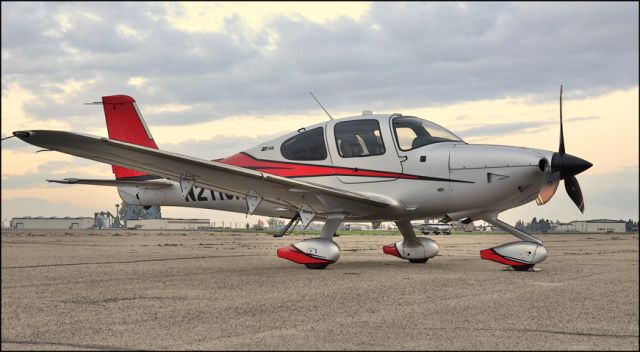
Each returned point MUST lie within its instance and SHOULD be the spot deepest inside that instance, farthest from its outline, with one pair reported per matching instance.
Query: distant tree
(629, 225)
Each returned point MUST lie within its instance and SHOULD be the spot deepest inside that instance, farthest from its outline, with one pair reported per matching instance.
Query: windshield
(413, 132)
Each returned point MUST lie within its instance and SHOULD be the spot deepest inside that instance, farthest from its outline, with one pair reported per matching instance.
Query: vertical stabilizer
(125, 123)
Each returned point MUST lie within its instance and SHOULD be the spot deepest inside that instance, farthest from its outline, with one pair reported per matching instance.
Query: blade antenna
(317, 101)
(561, 151)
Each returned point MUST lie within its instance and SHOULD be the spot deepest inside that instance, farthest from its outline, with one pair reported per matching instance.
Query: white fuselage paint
(458, 179)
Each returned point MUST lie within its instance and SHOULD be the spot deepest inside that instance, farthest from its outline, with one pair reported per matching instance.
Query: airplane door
(430, 162)
(362, 151)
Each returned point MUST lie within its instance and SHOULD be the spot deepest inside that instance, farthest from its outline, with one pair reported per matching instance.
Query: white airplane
(373, 167)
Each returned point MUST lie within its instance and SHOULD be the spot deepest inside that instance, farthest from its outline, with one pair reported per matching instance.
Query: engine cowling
(426, 249)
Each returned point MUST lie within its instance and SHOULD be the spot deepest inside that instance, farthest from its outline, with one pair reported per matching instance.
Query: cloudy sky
(214, 78)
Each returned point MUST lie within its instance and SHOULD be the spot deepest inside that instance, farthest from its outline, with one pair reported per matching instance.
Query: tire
(522, 267)
(316, 266)
(418, 261)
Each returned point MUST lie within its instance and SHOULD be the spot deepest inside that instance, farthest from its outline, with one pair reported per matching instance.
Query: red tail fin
(125, 123)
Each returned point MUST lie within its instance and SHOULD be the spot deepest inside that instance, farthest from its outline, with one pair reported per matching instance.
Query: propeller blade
(573, 190)
(547, 191)
(561, 149)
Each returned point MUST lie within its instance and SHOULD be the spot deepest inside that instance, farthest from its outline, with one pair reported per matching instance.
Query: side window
(307, 145)
(405, 136)
(359, 138)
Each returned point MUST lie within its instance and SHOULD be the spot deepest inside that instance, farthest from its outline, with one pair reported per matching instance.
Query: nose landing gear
(520, 255)
(412, 248)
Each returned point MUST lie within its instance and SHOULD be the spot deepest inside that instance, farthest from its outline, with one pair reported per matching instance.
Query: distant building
(169, 224)
(51, 223)
(356, 227)
(563, 227)
(258, 225)
(599, 225)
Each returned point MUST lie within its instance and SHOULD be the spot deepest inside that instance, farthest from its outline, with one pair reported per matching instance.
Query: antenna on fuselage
(317, 101)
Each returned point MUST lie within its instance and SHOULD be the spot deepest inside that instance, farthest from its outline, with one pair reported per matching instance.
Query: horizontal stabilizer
(114, 183)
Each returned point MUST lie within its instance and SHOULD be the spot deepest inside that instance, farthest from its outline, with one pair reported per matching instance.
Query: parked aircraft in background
(373, 167)
(436, 228)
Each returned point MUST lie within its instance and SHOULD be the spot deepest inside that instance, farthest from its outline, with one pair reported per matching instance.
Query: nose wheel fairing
(519, 254)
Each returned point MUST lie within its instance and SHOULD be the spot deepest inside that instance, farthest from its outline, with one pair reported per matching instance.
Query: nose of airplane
(569, 165)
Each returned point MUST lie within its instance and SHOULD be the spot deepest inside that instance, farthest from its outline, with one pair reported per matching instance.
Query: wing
(288, 193)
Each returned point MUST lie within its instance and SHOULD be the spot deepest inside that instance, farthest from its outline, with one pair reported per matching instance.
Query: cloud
(499, 129)
(218, 147)
(612, 196)
(34, 206)
(229, 86)
(508, 128)
(56, 170)
(438, 53)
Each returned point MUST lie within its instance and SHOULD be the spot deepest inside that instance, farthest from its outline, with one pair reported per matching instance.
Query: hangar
(169, 224)
(594, 226)
(41, 222)
(600, 225)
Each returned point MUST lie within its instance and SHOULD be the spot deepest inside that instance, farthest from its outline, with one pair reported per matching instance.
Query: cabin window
(308, 145)
(359, 138)
(412, 133)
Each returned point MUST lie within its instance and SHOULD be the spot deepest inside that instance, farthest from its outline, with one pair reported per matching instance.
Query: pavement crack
(76, 345)
(571, 333)
(129, 261)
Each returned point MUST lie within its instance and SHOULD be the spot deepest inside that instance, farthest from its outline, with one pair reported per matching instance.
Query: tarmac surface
(86, 290)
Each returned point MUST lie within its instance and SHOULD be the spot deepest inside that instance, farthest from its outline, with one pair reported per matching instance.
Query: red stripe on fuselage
(287, 169)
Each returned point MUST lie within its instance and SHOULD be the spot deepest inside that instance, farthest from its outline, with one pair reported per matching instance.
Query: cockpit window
(359, 138)
(308, 145)
(412, 133)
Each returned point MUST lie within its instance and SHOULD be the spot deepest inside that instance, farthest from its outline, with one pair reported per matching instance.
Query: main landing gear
(414, 249)
(316, 253)
(521, 255)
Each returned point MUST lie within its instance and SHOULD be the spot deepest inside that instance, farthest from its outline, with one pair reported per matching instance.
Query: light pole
(117, 219)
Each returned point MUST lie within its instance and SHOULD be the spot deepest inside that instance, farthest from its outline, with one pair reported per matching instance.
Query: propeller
(564, 167)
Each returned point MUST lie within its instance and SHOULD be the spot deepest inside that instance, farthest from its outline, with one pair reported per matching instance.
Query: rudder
(125, 123)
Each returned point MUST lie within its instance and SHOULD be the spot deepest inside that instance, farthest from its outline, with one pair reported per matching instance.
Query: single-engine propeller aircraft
(373, 167)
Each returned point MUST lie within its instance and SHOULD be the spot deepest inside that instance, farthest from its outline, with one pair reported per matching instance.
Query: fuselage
(420, 168)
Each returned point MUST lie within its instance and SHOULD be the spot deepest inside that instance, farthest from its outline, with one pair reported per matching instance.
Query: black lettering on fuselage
(198, 194)
(201, 196)
(191, 195)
